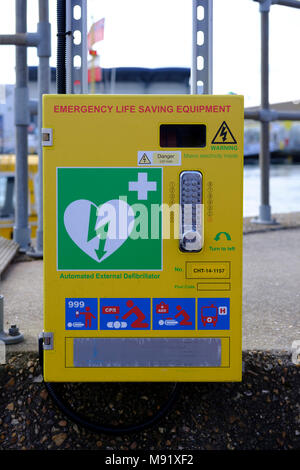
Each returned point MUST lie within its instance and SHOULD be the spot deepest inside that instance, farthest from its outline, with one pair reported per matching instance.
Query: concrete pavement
(271, 290)
(22, 287)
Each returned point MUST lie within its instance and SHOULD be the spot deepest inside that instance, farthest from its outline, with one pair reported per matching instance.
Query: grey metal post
(76, 50)
(14, 335)
(264, 209)
(84, 49)
(21, 232)
(204, 50)
(41, 40)
(264, 216)
(194, 49)
(44, 53)
(287, 3)
(69, 47)
(113, 80)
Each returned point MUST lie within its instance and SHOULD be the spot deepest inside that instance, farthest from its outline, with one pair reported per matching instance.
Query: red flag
(96, 33)
(95, 75)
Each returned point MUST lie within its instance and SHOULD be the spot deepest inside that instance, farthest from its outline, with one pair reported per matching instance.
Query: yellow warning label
(224, 135)
(145, 160)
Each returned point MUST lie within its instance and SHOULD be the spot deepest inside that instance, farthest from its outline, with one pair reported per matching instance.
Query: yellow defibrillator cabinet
(142, 237)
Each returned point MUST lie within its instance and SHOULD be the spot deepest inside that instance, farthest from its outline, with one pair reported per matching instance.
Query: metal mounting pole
(265, 115)
(22, 40)
(21, 232)
(202, 45)
(42, 41)
(44, 53)
(76, 49)
(264, 216)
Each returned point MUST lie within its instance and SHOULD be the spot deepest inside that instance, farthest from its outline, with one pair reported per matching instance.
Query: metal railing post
(203, 50)
(44, 54)
(76, 73)
(264, 216)
(42, 41)
(265, 115)
(21, 232)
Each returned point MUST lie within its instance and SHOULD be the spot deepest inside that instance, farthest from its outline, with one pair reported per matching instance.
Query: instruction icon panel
(125, 314)
(173, 314)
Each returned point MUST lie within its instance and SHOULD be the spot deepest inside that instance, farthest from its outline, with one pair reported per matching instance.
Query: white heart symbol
(99, 236)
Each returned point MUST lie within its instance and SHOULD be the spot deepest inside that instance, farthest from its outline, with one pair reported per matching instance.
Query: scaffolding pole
(44, 53)
(264, 215)
(42, 41)
(265, 115)
(21, 233)
(202, 60)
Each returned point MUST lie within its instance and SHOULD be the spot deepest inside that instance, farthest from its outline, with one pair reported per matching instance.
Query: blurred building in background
(284, 135)
(123, 80)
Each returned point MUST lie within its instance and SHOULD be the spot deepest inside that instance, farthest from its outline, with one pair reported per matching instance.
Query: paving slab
(22, 287)
(271, 290)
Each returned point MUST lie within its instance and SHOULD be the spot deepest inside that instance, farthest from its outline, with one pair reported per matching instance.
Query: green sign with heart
(105, 219)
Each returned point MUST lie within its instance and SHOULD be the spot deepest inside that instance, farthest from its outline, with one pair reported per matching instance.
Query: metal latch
(47, 340)
(47, 137)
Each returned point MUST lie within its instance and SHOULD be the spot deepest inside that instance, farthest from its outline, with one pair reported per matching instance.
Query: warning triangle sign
(224, 135)
(144, 160)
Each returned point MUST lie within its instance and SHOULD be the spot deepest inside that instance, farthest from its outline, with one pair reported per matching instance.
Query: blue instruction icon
(214, 314)
(81, 314)
(125, 314)
(173, 314)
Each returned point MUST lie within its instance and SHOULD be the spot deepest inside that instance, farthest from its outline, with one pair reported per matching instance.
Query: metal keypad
(191, 211)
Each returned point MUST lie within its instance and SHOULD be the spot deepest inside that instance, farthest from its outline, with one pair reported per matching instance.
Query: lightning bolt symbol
(99, 231)
(223, 133)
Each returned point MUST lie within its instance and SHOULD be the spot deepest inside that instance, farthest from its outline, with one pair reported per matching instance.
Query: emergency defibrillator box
(142, 237)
